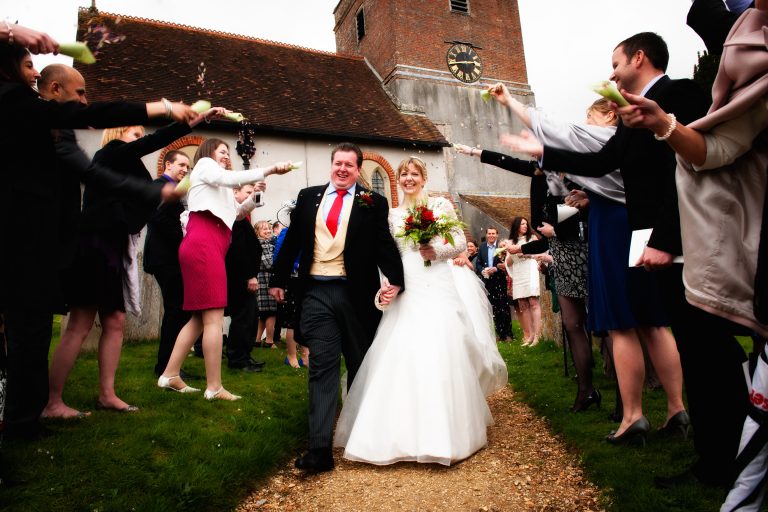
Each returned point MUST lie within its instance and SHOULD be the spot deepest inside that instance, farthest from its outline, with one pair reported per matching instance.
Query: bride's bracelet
(378, 304)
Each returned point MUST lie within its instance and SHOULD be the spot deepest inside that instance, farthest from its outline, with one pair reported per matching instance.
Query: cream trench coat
(721, 202)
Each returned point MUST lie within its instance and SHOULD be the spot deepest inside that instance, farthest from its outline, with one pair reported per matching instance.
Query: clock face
(464, 63)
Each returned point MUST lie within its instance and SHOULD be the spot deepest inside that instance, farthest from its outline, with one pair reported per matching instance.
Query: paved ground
(523, 468)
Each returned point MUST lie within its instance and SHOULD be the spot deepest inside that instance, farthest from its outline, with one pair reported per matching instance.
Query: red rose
(427, 215)
(368, 199)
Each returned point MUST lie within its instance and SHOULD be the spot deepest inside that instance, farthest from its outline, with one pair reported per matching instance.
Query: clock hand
(463, 62)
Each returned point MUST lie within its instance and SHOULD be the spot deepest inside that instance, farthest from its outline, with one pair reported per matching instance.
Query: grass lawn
(179, 452)
(625, 473)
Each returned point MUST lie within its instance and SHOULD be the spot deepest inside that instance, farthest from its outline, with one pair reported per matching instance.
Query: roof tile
(276, 86)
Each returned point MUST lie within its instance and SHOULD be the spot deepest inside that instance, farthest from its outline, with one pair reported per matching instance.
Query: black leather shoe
(254, 362)
(680, 422)
(247, 367)
(636, 431)
(316, 460)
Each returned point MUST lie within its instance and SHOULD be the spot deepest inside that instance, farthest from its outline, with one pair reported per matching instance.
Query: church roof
(502, 209)
(278, 87)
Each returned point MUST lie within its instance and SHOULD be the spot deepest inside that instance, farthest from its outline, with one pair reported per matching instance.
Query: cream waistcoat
(328, 259)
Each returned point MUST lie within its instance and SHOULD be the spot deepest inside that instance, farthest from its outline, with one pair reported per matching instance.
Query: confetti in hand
(201, 106)
(78, 51)
(607, 89)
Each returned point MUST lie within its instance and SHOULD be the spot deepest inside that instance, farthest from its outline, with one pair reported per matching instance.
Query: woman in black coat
(109, 229)
(28, 256)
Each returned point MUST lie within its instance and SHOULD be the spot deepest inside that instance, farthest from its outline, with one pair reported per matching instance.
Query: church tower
(436, 56)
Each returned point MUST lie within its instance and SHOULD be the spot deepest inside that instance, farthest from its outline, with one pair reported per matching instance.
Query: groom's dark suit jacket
(647, 165)
(367, 247)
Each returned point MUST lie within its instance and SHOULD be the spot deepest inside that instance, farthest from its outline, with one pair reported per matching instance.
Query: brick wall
(413, 32)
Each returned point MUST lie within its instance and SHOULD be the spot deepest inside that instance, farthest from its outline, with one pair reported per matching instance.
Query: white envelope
(637, 245)
(565, 212)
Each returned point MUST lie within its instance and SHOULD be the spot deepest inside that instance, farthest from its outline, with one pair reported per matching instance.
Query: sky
(568, 43)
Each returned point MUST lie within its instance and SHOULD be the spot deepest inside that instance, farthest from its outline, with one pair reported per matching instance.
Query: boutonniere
(365, 199)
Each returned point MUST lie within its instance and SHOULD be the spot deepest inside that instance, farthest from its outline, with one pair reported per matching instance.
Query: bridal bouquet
(422, 225)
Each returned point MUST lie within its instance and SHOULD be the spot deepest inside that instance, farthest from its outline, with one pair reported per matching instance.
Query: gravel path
(523, 468)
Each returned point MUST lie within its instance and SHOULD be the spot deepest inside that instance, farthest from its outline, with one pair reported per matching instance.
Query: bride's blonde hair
(420, 166)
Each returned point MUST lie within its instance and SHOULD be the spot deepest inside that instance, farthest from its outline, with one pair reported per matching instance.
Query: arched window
(377, 182)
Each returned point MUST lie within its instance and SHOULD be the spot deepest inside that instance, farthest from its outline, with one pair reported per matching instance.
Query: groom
(341, 234)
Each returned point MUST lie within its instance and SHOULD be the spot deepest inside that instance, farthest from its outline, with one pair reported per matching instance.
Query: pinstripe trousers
(330, 328)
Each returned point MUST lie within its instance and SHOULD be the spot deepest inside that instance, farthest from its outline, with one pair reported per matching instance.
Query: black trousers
(502, 316)
(28, 338)
(240, 339)
(329, 328)
(174, 317)
(718, 398)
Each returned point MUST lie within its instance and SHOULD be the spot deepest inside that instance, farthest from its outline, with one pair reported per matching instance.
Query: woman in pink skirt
(213, 210)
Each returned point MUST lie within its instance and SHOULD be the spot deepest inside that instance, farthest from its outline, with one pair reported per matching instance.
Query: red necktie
(332, 221)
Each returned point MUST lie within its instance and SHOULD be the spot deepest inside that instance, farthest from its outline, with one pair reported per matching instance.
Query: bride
(420, 392)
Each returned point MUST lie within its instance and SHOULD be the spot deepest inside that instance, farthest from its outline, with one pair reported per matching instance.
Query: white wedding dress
(420, 392)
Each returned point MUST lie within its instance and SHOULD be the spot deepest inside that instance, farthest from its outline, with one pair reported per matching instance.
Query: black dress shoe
(680, 422)
(247, 367)
(254, 362)
(316, 460)
(636, 431)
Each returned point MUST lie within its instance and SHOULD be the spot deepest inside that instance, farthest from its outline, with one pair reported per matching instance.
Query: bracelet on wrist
(10, 32)
(672, 127)
(168, 107)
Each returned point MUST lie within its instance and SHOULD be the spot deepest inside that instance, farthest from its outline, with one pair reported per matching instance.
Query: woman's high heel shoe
(679, 422)
(638, 430)
(595, 397)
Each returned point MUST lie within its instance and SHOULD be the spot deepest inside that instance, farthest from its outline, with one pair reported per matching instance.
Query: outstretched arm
(502, 95)
(34, 41)
(645, 113)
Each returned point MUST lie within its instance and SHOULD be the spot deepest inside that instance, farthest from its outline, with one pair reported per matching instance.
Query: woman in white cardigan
(212, 211)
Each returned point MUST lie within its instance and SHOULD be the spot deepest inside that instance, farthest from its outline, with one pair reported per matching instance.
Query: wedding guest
(647, 167)
(720, 181)
(30, 267)
(524, 270)
(266, 303)
(276, 228)
(607, 296)
(467, 257)
(242, 264)
(471, 250)
(713, 19)
(105, 274)
(491, 268)
(213, 211)
(161, 258)
(62, 83)
(286, 311)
